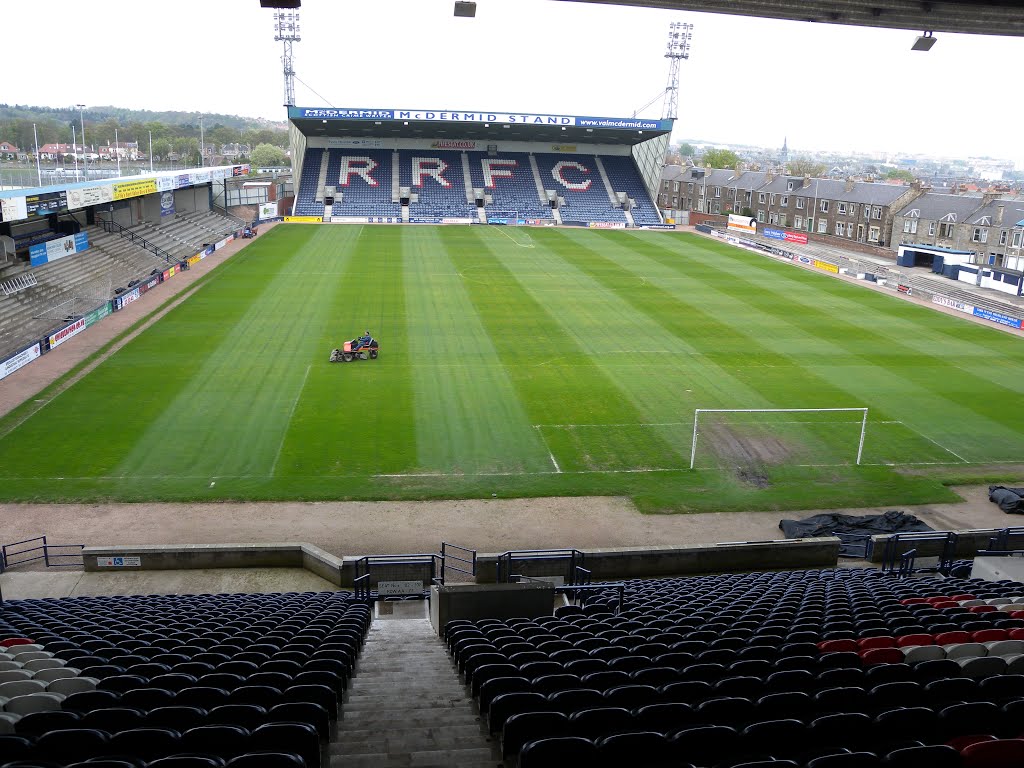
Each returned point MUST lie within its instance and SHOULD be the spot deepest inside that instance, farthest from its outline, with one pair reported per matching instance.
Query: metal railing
(902, 550)
(114, 228)
(573, 559)
(362, 578)
(447, 555)
(1004, 540)
(51, 554)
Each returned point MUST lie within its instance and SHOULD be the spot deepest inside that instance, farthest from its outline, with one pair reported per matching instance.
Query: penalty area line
(558, 469)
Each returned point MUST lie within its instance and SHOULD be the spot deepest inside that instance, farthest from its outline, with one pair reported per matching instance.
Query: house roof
(1013, 210)
(865, 192)
(933, 206)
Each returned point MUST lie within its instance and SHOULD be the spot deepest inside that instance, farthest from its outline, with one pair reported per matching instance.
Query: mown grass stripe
(547, 365)
(884, 359)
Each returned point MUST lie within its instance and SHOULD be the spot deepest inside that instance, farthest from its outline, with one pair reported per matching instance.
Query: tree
(806, 168)
(720, 158)
(268, 156)
(687, 150)
(161, 149)
(899, 173)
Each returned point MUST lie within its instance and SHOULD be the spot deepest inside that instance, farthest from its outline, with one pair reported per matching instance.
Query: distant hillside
(126, 117)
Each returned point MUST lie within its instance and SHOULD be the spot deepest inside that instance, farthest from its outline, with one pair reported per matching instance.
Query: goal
(762, 436)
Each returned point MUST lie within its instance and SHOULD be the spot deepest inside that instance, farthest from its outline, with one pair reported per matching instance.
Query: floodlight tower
(679, 35)
(286, 29)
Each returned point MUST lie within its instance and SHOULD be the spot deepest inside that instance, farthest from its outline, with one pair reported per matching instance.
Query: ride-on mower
(363, 348)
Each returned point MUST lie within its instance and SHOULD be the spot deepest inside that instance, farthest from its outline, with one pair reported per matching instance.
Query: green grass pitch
(519, 362)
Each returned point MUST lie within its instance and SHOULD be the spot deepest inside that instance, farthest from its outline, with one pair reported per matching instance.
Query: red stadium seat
(13, 641)
(1002, 753)
(836, 646)
(882, 656)
(947, 638)
(881, 641)
(982, 609)
(989, 635)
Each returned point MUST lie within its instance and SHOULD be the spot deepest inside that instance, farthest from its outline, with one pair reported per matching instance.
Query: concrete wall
(645, 562)
(968, 542)
(190, 556)
(489, 601)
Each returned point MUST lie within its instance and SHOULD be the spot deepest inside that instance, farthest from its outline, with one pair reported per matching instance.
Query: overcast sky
(747, 80)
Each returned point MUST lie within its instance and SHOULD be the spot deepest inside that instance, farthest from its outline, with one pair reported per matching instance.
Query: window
(931, 228)
(785, 201)
(798, 222)
(689, 187)
(860, 232)
(980, 235)
(675, 186)
(1016, 239)
(876, 212)
(772, 199)
(910, 226)
(800, 203)
(853, 209)
(822, 226)
(873, 234)
(789, 186)
(1002, 237)
(842, 208)
(840, 228)
(773, 218)
(824, 206)
(718, 191)
(867, 211)
(760, 216)
(717, 207)
(849, 229)
(760, 197)
(946, 229)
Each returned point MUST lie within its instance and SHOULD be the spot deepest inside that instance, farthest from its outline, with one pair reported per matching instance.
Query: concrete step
(446, 758)
(357, 736)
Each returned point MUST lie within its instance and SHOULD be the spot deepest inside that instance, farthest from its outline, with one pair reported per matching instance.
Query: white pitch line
(291, 412)
(934, 442)
(558, 469)
(506, 234)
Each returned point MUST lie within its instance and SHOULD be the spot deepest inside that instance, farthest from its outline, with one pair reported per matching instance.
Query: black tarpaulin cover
(1010, 500)
(833, 524)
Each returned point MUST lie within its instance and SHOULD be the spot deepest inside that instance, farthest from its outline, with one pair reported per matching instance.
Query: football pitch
(523, 362)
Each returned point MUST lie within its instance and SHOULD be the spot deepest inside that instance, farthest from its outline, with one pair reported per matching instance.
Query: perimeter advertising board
(789, 237)
(13, 209)
(20, 360)
(66, 333)
(51, 250)
(742, 223)
(126, 189)
(83, 198)
(46, 203)
(268, 211)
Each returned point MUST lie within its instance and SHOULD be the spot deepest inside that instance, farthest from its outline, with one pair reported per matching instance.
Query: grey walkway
(406, 705)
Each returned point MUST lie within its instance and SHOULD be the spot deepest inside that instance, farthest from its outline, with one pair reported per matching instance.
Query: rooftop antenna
(286, 29)
(679, 36)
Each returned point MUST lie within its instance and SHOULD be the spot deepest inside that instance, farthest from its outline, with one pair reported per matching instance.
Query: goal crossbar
(698, 411)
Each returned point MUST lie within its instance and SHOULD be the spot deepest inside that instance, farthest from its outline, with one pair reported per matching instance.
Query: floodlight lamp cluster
(679, 36)
(286, 25)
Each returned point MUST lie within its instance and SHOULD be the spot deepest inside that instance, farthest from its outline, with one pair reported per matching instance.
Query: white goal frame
(698, 411)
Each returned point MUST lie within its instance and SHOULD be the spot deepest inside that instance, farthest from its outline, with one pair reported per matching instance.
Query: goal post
(863, 420)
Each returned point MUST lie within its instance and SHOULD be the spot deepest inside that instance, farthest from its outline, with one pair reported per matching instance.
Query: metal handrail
(47, 556)
(445, 555)
(361, 588)
(505, 560)
(114, 228)
(362, 568)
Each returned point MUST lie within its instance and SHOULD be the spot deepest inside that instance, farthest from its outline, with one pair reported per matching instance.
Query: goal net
(748, 438)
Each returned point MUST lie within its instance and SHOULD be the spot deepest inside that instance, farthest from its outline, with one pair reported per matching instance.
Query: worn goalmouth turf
(520, 362)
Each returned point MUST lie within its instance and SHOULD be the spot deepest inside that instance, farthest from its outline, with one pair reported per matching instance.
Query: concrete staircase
(407, 708)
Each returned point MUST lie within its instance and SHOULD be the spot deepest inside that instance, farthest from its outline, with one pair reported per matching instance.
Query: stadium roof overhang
(978, 17)
(479, 126)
